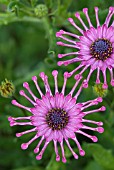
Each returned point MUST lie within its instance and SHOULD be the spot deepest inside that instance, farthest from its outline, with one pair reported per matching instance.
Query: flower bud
(41, 10)
(99, 90)
(7, 88)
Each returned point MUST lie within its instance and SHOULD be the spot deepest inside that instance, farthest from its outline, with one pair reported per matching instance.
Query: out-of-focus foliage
(27, 47)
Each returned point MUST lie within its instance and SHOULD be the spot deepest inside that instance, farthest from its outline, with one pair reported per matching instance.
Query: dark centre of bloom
(101, 49)
(57, 118)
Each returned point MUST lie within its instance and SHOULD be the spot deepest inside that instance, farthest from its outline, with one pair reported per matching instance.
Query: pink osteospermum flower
(56, 117)
(95, 46)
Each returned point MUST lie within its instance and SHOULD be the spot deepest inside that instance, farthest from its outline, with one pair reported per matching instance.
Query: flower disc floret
(101, 49)
(57, 118)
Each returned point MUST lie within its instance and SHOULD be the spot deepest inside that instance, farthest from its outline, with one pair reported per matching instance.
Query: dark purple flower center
(57, 118)
(101, 49)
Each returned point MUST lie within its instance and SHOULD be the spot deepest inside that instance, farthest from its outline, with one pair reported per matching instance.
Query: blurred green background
(27, 47)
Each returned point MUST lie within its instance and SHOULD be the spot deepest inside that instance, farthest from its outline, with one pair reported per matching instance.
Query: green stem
(50, 33)
(25, 6)
(49, 165)
(27, 12)
(5, 19)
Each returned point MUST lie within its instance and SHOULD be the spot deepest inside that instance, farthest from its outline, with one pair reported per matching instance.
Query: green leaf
(28, 168)
(12, 5)
(4, 1)
(55, 165)
(102, 156)
(66, 3)
(34, 2)
(49, 3)
(93, 166)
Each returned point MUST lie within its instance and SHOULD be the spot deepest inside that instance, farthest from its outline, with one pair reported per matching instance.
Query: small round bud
(77, 15)
(99, 99)
(60, 43)
(111, 8)
(77, 76)
(70, 20)
(64, 160)
(75, 156)
(39, 157)
(66, 74)
(85, 84)
(100, 124)
(36, 150)
(100, 129)
(99, 90)
(41, 10)
(59, 63)
(10, 119)
(103, 108)
(112, 82)
(104, 86)
(85, 10)
(34, 78)
(54, 72)
(7, 88)
(94, 138)
(26, 85)
(58, 158)
(96, 9)
(24, 146)
(60, 55)
(42, 75)
(82, 152)
(18, 134)
(58, 34)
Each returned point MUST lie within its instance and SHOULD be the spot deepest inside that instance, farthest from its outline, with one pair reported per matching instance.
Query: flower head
(56, 117)
(94, 48)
